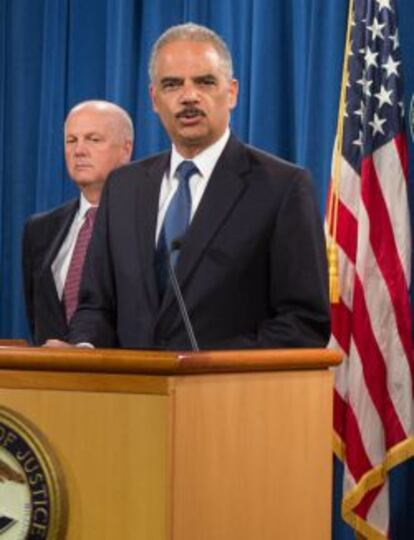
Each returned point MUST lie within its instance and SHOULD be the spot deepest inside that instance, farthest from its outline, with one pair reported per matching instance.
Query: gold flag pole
(333, 203)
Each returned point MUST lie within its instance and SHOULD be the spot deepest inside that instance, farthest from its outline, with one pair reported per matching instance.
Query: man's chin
(197, 141)
(85, 180)
(193, 135)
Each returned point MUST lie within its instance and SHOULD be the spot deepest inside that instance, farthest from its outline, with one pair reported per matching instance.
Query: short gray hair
(125, 125)
(191, 32)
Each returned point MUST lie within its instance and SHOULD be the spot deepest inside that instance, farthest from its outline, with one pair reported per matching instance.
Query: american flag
(368, 224)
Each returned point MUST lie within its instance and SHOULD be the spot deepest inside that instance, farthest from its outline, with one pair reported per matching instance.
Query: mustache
(190, 111)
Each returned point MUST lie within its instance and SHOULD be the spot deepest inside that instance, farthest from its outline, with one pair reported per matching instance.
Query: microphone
(176, 246)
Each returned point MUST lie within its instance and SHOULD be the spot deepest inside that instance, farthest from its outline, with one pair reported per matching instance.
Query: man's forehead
(88, 120)
(188, 44)
(180, 52)
(189, 66)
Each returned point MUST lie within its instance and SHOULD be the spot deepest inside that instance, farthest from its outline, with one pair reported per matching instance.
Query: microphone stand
(175, 245)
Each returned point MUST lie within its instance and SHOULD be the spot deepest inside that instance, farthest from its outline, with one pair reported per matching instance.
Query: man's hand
(56, 343)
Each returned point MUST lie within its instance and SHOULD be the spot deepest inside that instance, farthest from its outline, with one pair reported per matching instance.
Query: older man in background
(98, 138)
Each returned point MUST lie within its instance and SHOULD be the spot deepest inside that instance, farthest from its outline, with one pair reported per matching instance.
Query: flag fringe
(364, 531)
(372, 479)
(333, 272)
(338, 446)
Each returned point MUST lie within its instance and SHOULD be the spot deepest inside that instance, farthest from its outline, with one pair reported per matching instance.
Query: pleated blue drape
(55, 53)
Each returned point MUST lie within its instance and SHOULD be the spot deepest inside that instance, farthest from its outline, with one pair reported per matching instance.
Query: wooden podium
(231, 445)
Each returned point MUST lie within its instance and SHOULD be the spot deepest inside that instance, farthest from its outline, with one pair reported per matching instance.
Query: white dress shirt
(205, 162)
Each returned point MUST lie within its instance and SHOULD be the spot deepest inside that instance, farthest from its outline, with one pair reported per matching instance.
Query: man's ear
(233, 93)
(127, 151)
(153, 96)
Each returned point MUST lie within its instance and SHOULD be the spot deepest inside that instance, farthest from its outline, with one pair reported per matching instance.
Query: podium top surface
(124, 361)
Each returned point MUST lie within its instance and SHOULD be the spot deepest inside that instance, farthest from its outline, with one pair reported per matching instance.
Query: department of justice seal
(32, 495)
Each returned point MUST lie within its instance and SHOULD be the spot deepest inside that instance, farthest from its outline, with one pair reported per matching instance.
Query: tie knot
(186, 169)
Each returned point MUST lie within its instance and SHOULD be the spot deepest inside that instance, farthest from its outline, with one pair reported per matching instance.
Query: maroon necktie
(71, 288)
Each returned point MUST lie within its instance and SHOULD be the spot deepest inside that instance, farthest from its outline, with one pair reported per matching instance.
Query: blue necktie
(176, 221)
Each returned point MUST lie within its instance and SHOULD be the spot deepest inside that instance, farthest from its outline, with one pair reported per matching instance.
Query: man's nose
(80, 148)
(189, 92)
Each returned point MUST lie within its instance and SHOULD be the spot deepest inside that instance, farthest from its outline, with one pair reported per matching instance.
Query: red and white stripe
(372, 326)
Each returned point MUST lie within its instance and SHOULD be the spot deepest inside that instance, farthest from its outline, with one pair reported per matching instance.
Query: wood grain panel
(112, 448)
(252, 457)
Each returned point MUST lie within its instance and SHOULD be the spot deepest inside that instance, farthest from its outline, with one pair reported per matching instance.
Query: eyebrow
(196, 78)
(207, 77)
(171, 79)
(89, 134)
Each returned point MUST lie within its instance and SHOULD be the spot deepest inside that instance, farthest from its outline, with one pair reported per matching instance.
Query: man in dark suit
(98, 138)
(251, 264)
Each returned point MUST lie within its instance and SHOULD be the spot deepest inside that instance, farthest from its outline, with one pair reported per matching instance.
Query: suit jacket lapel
(62, 225)
(224, 189)
(146, 216)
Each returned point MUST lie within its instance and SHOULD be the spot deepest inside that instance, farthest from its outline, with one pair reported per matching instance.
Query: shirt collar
(84, 206)
(205, 160)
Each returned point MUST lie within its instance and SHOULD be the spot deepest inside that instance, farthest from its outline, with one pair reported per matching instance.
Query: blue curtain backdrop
(54, 53)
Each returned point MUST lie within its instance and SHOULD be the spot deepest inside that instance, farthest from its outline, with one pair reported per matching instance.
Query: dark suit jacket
(42, 238)
(252, 266)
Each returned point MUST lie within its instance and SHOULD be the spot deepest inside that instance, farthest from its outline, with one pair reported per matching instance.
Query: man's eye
(207, 82)
(170, 84)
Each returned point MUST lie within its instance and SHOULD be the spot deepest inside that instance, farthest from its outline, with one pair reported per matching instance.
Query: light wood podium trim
(84, 382)
(163, 362)
(13, 343)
